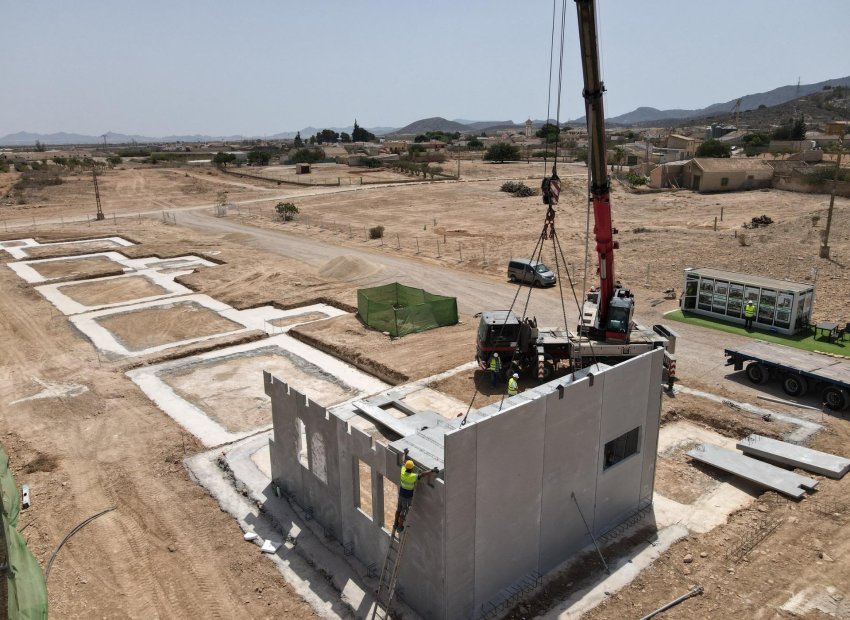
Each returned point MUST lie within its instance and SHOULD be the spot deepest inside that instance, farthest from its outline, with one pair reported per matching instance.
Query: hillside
(816, 108)
(646, 116)
(436, 123)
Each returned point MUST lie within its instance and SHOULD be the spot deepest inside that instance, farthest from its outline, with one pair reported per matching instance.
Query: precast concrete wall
(515, 478)
(329, 486)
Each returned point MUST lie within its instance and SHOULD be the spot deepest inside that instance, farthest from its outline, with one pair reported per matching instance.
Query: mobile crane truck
(606, 332)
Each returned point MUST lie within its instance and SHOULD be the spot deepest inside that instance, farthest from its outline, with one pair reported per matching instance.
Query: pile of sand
(348, 267)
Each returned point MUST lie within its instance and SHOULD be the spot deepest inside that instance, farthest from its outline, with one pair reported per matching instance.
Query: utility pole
(100, 216)
(824, 248)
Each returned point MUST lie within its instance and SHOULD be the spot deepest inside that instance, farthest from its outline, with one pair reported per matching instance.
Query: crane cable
(537, 252)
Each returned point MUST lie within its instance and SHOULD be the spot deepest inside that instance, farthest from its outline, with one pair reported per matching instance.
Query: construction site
(254, 411)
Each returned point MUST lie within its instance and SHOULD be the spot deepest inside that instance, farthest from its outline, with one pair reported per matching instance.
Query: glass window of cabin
(767, 307)
(706, 290)
(736, 300)
(721, 290)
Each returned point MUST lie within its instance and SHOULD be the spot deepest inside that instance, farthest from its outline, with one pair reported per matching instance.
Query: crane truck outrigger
(606, 331)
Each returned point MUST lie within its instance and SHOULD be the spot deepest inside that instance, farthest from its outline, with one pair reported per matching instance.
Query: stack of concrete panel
(795, 456)
(763, 474)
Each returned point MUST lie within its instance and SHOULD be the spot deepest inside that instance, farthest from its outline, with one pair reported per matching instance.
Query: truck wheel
(795, 385)
(835, 398)
(758, 373)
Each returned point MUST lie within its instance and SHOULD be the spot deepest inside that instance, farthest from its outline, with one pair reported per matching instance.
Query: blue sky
(259, 67)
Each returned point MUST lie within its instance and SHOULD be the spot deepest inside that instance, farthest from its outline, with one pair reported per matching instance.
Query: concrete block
(762, 474)
(795, 456)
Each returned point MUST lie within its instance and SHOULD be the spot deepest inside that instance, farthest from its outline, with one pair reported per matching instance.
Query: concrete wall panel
(508, 496)
(653, 422)
(570, 448)
(623, 409)
(460, 509)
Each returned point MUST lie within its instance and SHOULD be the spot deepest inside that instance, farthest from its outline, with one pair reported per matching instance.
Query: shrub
(376, 232)
(635, 179)
(286, 210)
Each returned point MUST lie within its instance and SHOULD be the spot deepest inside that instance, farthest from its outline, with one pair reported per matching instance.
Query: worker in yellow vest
(407, 485)
(749, 313)
(513, 385)
(495, 368)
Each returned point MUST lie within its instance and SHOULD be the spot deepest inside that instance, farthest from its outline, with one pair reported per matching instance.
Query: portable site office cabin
(781, 306)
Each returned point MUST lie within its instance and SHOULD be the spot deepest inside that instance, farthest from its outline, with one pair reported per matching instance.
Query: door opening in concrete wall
(363, 491)
(301, 434)
(390, 491)
(622, 447)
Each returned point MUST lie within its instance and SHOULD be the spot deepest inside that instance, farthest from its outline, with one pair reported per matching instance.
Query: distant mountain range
(773, 97)
(640, 116)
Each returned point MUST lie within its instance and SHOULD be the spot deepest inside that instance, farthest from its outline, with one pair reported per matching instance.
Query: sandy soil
(230, 390)
(88, 247)
(158, 325)
(167, 551)
(412, 357)
(118, 290)
(116, 448)
(77, 267)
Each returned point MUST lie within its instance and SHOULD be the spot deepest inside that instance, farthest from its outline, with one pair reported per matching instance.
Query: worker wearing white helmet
(513, 385)
(495, 368)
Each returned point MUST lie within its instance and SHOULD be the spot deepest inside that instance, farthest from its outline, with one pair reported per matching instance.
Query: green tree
(257, 157)
(502, 152)
(549, 132)
(286, 210)
(327, 135)
(307, 156)
(222, 159)
(713, 148)
(298, 142)
(361, 135)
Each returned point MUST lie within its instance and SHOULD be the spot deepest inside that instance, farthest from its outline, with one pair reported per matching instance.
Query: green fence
(24, 584)
(402, 310)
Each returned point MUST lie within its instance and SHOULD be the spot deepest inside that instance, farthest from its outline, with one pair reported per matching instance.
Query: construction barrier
(25, 588)
(402, 310)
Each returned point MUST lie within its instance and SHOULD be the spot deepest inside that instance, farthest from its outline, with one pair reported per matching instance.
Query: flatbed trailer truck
(799, 371)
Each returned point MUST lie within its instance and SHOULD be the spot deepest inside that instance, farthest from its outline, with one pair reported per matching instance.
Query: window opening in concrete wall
(363, 492)
(301, 433)
(390, 491)
(621, 448)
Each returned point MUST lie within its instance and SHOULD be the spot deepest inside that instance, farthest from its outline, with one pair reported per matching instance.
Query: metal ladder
(389, 574)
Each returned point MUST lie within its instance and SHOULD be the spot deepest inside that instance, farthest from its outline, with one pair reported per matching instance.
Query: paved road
(474, 291)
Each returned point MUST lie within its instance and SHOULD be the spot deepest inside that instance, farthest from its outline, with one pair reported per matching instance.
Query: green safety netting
(25, 587)
(402, 310)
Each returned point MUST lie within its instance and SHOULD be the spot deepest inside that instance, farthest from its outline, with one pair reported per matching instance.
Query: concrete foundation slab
(219, 396)
(24, 248)
(795, 456)
(113, 291)
(763, 474)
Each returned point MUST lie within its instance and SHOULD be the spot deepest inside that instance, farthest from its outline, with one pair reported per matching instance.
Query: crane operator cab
(618, 322)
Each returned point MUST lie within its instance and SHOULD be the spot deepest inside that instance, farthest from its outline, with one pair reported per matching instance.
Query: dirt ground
(158, 325)
(77, 267)
(230, 390)
(168, 550)
(117, 290)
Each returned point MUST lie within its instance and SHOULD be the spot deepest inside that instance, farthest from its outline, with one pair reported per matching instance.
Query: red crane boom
(614, 306)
